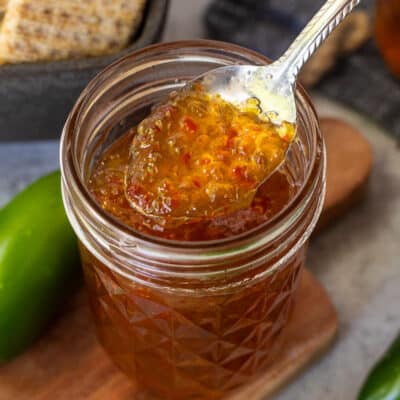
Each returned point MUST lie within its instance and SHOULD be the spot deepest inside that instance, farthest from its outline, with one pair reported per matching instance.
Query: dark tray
(35, 99)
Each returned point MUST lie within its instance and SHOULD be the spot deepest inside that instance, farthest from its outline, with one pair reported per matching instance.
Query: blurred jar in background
(387, 32)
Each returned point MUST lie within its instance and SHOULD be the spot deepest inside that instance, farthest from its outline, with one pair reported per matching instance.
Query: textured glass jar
(185, 320)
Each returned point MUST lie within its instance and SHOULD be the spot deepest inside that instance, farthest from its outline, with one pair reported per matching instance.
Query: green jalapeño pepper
(39, 263)
(383, 382)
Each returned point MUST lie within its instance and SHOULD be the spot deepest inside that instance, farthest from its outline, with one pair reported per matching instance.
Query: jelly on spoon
(206, 150)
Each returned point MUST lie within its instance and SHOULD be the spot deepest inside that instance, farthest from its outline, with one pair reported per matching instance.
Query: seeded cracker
(36, 30)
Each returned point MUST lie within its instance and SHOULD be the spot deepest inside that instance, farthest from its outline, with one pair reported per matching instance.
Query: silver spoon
(272, 86)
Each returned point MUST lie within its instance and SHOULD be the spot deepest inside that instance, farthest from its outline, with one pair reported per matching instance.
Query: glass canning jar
(185, 320)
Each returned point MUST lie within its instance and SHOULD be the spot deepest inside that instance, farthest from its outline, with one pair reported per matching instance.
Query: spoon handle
(313, 35)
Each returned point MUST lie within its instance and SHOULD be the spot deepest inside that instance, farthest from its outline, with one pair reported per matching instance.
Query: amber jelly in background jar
(195, 313)
(387, 32)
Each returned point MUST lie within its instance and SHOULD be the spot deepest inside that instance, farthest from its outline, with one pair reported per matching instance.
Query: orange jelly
(198, 155)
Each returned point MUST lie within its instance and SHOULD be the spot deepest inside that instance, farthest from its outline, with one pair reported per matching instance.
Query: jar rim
(265, 229)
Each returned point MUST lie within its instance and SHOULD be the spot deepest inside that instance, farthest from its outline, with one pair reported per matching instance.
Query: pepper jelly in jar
(192, 311)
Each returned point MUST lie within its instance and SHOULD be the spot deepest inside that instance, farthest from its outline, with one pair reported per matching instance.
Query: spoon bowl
(273, 85)
(237, 84)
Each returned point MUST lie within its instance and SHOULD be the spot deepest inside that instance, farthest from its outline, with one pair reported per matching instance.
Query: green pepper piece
(39, 263)
(383, 382)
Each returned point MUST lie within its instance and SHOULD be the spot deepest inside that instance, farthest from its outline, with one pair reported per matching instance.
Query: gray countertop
(357, 259)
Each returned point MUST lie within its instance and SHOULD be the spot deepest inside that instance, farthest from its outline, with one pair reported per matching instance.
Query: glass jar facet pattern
(184, 346)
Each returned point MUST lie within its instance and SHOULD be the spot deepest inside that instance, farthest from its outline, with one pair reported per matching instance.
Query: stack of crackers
(41, 30)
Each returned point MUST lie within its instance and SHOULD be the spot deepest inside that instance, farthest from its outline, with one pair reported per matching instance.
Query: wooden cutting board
(68, 363)
(349, 165)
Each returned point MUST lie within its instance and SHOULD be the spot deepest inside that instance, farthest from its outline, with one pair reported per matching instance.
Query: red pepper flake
(205, 161)
(241, 174)
(186, 159)
(231, 136)
(190, 125)
(196, 183)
